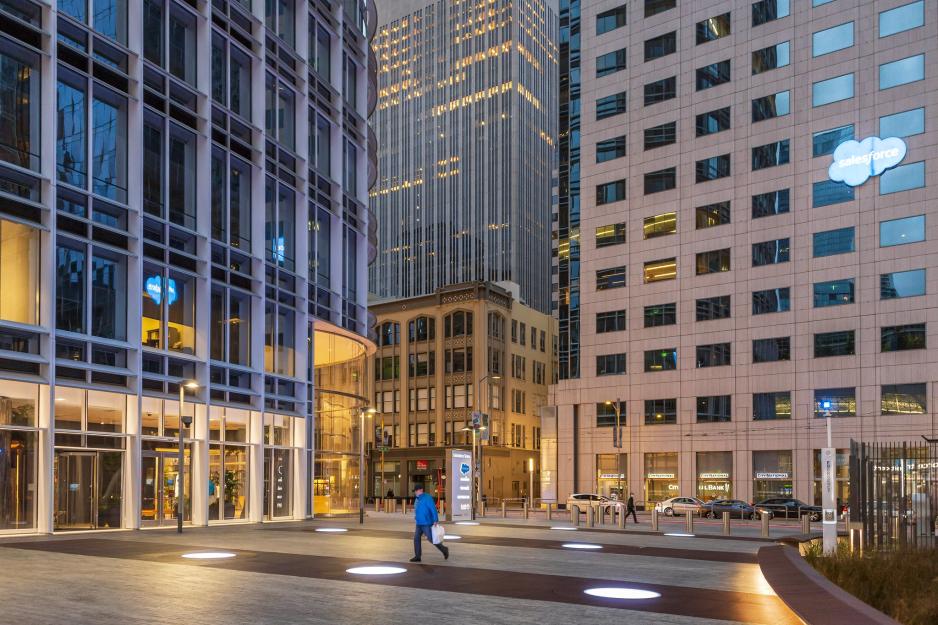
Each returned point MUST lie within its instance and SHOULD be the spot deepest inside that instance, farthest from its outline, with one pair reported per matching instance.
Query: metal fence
(894, 493)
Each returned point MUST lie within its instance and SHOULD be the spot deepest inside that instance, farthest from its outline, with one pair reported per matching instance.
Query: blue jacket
(425, 510)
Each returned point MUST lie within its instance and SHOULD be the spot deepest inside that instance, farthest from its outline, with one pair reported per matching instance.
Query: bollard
(377, 503)
(689, 522)
(550, 510)
(482, 508)
(805, 523)
(590, 517)
(620, 515)
(601, 513)
(574, 515)
(612, 514)
(504, 512)
(765, 525)
(726, 523)
(654, 519)
(404, 506)
(525, 504)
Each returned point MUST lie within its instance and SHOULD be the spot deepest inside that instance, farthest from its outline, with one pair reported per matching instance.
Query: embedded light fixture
(622, 593)
(679, 534)
(582, 546)
(331, 530)
(466, 523)
(451, 537)
(560, 527)
(209, 555)
(375, 570)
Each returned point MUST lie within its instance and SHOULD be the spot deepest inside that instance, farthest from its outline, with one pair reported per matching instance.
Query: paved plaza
(501, 571)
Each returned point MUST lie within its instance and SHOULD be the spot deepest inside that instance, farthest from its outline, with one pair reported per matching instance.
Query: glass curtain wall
(339, 379)
(228, 456)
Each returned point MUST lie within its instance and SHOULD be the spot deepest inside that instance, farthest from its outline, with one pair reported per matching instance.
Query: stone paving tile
(85, 581)
(79, 590)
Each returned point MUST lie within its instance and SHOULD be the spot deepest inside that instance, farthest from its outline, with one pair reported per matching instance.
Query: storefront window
(714, 475)
(18, 403)
(228, 464)
(661, 477)
(841, 477)
(772, 474)
(612, 475)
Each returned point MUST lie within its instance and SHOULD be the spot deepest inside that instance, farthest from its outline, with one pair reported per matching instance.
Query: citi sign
(855, 161)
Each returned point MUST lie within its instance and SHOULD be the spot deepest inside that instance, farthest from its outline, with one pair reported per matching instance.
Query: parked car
(582, 500)
(788, 508)
(736, 507)
(680, 505)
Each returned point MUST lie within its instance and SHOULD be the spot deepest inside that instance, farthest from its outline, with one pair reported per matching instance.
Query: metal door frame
(93, 456)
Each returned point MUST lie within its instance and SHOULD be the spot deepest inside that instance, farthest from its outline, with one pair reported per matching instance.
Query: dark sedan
(736, 507)
(789, 508)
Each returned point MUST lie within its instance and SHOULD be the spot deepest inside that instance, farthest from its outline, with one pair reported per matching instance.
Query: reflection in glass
(69, 289)
(19, 106)
(182, 179)
(71, 165)
(108, 296)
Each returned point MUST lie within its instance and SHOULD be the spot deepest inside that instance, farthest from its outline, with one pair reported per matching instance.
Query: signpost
(828, 499)
(459, 484)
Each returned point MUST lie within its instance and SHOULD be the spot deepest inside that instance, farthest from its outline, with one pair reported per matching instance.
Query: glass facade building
(183, 201)
(751, 282)
(466, 125)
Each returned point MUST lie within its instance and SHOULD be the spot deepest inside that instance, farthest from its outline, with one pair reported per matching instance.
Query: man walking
(426, 517)
(630, 509)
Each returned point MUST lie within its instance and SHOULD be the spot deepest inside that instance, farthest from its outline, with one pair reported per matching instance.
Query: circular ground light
(582, 546)
(376, 570)
(622, 593)
(567, 529)
(331, 530)
(209, 555)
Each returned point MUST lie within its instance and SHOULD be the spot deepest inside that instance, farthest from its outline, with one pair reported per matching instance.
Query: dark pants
(632, 512)
(422, 530)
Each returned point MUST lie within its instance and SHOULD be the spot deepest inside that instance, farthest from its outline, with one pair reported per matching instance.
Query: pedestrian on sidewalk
(630, 508)
(425, 517)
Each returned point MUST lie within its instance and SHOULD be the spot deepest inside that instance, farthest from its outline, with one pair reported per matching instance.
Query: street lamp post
(361, 461)
(181, 466)
(828, 499)
(477, 458)
(617, 442)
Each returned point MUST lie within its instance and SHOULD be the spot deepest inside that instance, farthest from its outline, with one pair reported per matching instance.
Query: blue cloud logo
(855, 161)
(464, 468)
(154, 288)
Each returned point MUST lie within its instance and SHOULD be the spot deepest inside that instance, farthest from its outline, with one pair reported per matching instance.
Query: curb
(815, 599)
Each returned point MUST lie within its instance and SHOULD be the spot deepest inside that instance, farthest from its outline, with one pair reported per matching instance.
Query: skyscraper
(183, 233)
(466, 127)
(751, 248)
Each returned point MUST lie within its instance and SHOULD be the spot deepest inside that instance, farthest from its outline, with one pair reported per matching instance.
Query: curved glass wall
(339, 363)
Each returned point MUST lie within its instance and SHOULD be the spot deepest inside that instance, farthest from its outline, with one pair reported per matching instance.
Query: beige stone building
(467, 347)
(722, 271)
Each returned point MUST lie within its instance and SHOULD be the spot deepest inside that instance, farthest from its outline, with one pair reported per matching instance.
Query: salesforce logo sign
(855, 161)
(464, 468)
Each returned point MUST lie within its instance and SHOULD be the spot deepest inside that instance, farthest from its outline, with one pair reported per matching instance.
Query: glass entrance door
(160, 487)
(74, 490)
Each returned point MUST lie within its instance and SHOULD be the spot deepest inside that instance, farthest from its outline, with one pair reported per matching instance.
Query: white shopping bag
(438, 534)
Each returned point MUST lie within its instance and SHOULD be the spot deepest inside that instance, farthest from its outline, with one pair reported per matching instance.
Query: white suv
(582, 500)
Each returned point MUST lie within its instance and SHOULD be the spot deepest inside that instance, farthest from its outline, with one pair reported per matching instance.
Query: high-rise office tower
(466, 126)
(754, 244)
(183, 204)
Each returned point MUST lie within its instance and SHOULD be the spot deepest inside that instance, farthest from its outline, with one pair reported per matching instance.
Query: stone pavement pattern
(289, 573)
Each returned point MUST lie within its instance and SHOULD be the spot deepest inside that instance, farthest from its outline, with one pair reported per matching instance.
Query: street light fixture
(365, 410)
(617, 441)
(473, 488)
(477, 457)
(186, 421)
